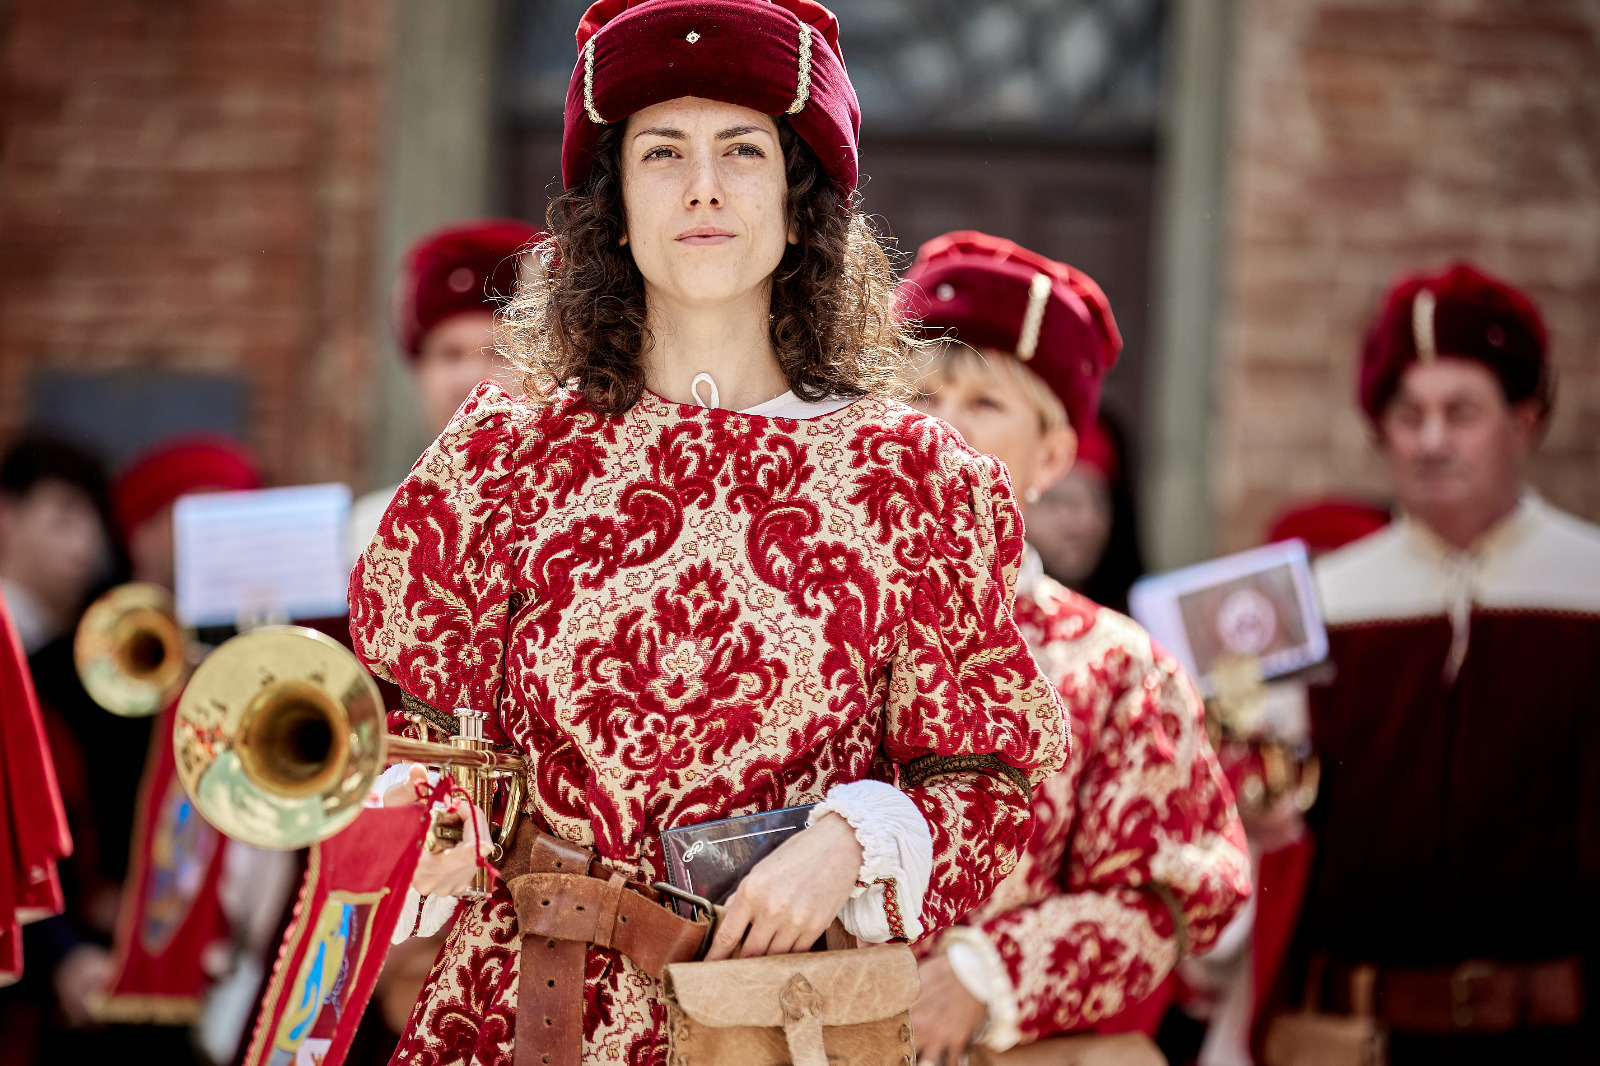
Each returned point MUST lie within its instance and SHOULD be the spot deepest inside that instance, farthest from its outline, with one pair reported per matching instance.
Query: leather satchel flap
(852, 987)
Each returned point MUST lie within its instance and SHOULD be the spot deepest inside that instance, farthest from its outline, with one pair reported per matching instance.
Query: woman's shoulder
(924, 446)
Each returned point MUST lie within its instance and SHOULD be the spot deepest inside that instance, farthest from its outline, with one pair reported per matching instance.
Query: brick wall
(191, 185)
(1372, 136)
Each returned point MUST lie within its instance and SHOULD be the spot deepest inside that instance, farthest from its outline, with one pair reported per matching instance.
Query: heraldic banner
(171, 912)
(354, 890)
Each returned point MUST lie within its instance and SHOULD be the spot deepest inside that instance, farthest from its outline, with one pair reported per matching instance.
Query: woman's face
(704, 188)
(994, 415)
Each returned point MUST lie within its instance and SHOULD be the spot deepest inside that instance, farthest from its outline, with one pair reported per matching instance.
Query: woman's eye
(748, 150)
(988, 403)
(663, 152)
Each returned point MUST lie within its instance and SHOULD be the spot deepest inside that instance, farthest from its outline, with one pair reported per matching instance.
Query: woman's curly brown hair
(581, 323)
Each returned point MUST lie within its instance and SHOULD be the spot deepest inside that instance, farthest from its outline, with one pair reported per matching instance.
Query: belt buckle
(699, 903)
(1461, 981)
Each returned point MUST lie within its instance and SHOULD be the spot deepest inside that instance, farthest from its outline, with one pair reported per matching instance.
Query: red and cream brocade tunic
(688, 614)
(1081, 927)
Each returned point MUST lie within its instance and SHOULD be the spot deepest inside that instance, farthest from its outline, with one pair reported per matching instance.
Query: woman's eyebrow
(662, 131)
(739, 131)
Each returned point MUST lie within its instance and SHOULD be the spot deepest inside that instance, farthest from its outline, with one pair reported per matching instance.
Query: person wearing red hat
(143, 495)
(705, 565)
(1457, 842)
(1136, 857)
(452, 283)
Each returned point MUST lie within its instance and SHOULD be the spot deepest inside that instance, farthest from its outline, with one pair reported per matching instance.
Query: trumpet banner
(349, 905)
(171, 911)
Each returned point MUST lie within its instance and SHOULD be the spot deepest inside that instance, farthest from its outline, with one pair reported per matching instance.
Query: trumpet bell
(130, 651)
(279, 736)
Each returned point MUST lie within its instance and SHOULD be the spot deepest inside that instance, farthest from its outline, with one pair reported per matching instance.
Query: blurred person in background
(101, 759)
(1136, 856)
(451, 284)
(1222, 992)
(1083, 526)
(1457, 828)
(56, 541)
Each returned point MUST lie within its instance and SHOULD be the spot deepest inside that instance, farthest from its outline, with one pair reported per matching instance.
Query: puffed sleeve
(1154, 867)
(972, 723)
(428, 598)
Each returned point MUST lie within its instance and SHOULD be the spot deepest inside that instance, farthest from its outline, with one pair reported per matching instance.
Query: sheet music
(268, 555)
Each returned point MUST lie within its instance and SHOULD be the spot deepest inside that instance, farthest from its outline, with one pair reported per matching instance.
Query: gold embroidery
(427, 713)
(802, 89)
(1033, 318)
(588, 82)
(914, 773)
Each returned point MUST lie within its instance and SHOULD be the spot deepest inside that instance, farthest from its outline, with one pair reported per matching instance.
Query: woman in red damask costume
(707, 566)
(1137, 856)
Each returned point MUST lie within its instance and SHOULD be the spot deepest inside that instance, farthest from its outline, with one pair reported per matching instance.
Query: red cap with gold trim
(778, 57)
(465, 266)
(1459, 312)
(993, 293)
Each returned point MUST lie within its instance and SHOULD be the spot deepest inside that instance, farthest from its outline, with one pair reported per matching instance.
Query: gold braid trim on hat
(802, 90)
(1038, 296)
(588, 81)
(1422, 308)
(914, 773)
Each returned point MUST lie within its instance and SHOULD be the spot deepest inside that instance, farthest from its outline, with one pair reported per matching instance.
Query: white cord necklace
(694, 390)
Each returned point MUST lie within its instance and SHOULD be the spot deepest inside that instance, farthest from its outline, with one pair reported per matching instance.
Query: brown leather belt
(1477, 996)
(567, 899)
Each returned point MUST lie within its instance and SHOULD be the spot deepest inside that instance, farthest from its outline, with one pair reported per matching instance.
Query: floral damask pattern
(687, 615)
(1141, 802)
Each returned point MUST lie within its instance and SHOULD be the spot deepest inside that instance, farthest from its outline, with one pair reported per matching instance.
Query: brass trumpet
(280, 735)
(131, 654)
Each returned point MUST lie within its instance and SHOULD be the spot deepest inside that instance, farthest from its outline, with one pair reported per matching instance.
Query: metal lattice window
(1069, 69)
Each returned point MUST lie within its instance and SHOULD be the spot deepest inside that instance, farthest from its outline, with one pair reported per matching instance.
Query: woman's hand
(448, 872)
(791, 897)
(945, 1017)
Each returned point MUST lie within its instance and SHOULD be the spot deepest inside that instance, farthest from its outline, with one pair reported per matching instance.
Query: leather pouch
(1309, 1038)
(824, 1008)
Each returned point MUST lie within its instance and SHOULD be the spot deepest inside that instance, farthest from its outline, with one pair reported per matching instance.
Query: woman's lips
(705, 235)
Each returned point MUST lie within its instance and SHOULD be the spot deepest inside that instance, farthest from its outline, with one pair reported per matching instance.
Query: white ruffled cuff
(896, 859)
(978, 966)
(421, 915)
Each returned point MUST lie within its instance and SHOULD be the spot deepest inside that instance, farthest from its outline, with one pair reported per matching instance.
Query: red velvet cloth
(33, 821)
(1476, 316)
(977, 287)
(745, 52)
(465, 266)
(1327, 524)
(171, 912)
(175, 468)
(349, 905)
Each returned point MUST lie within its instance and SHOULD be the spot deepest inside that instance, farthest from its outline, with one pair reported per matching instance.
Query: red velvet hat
(778, 57)
(1460, 312)
(466, 266)
(176, 468)
(1328, 524)
(992, 293)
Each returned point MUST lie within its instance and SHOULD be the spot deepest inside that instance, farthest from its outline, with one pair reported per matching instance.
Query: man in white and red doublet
(1457, 832)
(684, 613)
(1136, 856)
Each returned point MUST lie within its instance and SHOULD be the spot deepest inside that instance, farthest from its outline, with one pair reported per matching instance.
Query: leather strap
(1477, 996)
(567, 899)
